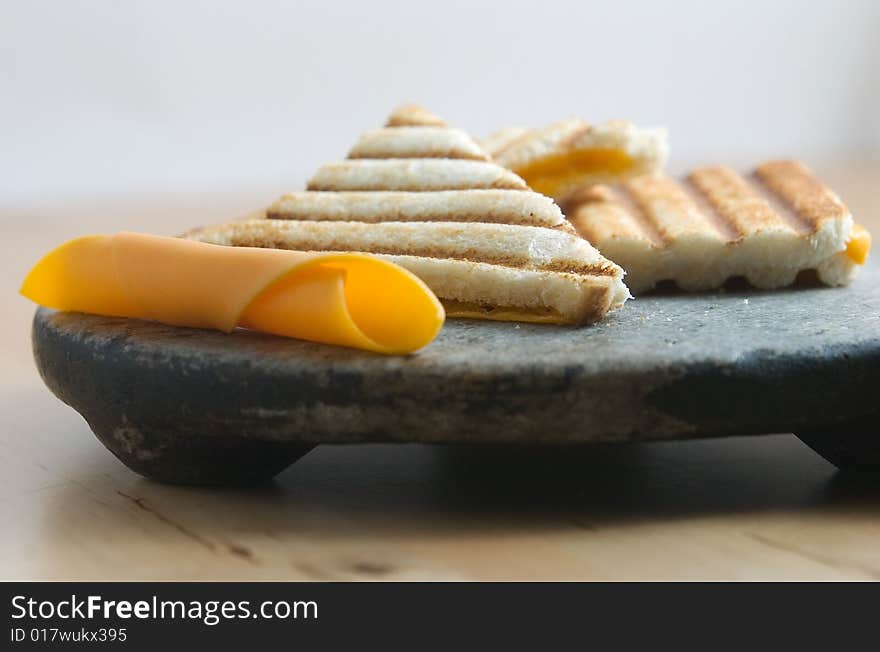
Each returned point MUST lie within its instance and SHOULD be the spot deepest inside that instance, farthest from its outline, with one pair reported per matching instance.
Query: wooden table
(740, 508)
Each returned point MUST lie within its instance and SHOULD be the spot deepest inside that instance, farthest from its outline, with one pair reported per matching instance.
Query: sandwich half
(713, 225)
(427, 197)
(560, 158)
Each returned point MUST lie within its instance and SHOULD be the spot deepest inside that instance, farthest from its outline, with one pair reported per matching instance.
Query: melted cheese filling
(472, 310)
(859, 245)
(557, 174)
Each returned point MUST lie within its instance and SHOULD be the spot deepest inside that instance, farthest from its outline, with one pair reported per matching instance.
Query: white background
(171, 96)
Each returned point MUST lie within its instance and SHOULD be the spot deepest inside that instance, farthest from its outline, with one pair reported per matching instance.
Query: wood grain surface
(764, 508)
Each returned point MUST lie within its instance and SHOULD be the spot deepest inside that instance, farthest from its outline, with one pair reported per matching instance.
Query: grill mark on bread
(534, 144)
(513, 262)
(673, 211)
(631, 202)
(417, 142)
(317, 216)
(596, 216)
(497, 142)
(810, 200)
(714, 219)
(778, 203)
(502, 152)
(455, 154)
(414, 175)
(476, 205)
(229, 235)
(735, 201)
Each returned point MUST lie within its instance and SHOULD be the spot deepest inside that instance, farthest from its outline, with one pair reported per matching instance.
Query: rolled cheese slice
(346, 299)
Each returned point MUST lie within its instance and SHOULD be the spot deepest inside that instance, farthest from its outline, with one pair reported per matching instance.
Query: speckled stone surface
(197, 406)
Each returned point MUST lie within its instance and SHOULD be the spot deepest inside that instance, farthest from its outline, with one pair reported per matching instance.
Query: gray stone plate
(186, 405)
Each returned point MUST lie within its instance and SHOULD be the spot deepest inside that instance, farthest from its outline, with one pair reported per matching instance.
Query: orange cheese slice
(347, 299)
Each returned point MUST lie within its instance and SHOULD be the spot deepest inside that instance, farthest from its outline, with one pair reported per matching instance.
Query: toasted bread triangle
(426, 196)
